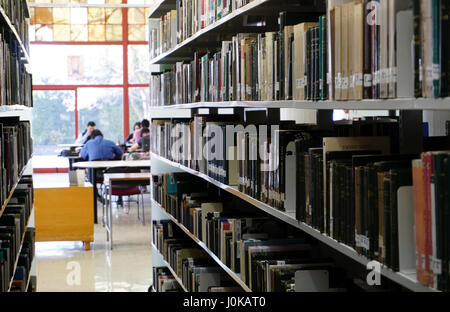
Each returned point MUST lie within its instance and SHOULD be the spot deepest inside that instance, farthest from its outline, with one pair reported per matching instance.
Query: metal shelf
(170, 269)
(14, 188)
(18, 254)
(389, 104)
(407, 281)
(233, 275)
(162, 7)
(13, 29)
(229, 25)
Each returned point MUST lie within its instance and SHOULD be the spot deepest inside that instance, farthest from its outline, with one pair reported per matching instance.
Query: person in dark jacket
(86, 134)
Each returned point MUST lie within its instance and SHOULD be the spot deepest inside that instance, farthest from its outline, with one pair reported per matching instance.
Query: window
(90, 56)
(77, 64)
(53, 120)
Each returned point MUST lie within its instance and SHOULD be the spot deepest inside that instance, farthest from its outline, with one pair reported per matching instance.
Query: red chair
(125, 189)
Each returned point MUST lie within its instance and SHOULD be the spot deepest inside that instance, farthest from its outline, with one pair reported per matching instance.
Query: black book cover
(367, 59)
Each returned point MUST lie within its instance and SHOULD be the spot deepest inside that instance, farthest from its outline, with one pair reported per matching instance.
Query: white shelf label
(367, 80)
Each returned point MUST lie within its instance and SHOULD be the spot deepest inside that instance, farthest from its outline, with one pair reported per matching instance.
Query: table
(64, 212)
(72, 158)
(109, 180)
(93, 166)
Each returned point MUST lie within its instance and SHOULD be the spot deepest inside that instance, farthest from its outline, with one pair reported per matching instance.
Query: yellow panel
(113, 1)
(64, 214)
(97, 33)
(43, 16)
(78, 33)
(96, 16)
(113, 16)
(136, 16)
(61, 16)
(78, 1)
(61, 32)
(136, 32)
(113, 32)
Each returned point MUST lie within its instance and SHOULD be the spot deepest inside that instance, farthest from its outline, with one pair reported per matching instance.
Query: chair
(125, 189)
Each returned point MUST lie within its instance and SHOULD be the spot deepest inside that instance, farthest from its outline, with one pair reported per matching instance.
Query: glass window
(139, 99)
(53, 120)
(77, 65)
(104, 106)
(138, 64)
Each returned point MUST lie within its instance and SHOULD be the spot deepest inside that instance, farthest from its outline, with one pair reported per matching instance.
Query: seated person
(137, 134)
(99, 148)
(137, 126)
(143, 143)
(86, 134)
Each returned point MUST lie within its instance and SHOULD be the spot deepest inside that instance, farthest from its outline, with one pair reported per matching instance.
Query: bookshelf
(15, 114)
(177, 278)
(234, 22)
(441, 104)
(22, 173)
(20, 250)
(408, 281)
(233, 275)
(410, 108)
(13, 30)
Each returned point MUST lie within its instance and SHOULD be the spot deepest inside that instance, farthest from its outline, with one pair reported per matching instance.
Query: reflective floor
(67, 267)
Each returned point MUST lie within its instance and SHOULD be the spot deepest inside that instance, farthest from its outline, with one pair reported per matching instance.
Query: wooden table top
(144, 176)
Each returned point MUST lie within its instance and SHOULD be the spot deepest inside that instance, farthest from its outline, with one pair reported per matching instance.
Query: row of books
(198, 272)
(189, 17)
(431, 201)
(15, 152)
(23, 270)
(16, 10)
(13, 228)
(15, 81)
(254, 246)
(364, 53)
(164, 281)
(346, 187)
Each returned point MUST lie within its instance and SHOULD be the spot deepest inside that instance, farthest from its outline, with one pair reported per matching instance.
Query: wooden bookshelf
(233, 22)
(12, 28)
(234, 276)
(178, 279)
(406, 280)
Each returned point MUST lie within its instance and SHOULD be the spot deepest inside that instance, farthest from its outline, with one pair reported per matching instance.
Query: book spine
(417, 49)
(375, 44)
(445, 59)
(316, 64)
(436, 24)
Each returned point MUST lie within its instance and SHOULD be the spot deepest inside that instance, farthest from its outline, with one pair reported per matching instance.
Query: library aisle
(101, 269)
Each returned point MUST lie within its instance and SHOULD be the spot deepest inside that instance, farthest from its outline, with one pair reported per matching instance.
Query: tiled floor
(67, 267)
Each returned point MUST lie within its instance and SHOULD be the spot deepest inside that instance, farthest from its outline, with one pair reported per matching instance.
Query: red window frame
(125, 43)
